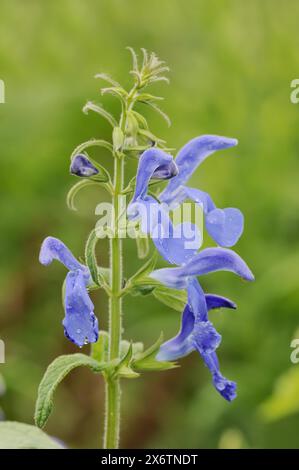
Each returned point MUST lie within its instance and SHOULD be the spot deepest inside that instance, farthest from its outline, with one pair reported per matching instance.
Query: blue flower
(206, 261)
(80, 323)
(154, 163)
(225, 226)
(82, 166)
(197, 333)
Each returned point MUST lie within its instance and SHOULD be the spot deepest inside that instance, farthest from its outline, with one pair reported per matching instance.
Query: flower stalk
(112, 412)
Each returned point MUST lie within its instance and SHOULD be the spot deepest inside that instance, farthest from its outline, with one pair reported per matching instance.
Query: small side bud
(82, 166)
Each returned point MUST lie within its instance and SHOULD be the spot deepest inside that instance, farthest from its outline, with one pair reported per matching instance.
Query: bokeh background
(231, 67)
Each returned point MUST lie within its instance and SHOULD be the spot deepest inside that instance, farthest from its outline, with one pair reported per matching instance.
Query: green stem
(113, 392)
(112, 424)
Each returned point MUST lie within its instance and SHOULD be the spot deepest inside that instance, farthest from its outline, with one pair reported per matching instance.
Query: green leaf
(54, 374)
(15, 435)
(70, 198)
(118, 138)
(147, 360)
(132, 125)
(173, 298)
(90, 106)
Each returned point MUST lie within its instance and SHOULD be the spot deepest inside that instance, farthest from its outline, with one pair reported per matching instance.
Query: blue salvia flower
(225, 226)
(80, 323)
(82, 166)
(197, 332)
(206, 261)
(154, 163)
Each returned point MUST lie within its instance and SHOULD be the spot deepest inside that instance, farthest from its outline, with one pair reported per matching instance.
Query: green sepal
(116, 91)
(147, 361)
(90, 256)
(91, 143)
(90, 106)
(156, 108)
(141, 119)
(70, 198)
(150, 136)
(100, 349)
(173, 298)
(136, 347)
(104, 276)
(117, 138)
(145, 97)
(142, 244)
(107, 78)
(140, 282)
(99, 275)
(132, 125)
(123, 368)
(102, 176)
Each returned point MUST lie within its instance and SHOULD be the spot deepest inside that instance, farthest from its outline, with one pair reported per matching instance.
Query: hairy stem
(113, 391)
(112, 424)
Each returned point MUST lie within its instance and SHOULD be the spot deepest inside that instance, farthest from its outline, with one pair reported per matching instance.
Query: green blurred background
(231, 67)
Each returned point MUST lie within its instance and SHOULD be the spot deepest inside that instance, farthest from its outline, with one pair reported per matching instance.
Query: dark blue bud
(82, 166)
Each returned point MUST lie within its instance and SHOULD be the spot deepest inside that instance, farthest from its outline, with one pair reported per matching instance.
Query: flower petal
(82, 166)
(190, 157)
(80, 323)
(152, 162)
(200, 197)
(216, 301)
(180, 345)
(205, 338)
(225, 226)
(179, 244)
(206, 261)
(165, 172)
(197, 300)
(52, 248)
(225, 387)
(170, 277)
(216, 259)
